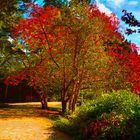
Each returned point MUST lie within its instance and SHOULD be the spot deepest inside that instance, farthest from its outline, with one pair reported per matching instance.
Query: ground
(26, 121)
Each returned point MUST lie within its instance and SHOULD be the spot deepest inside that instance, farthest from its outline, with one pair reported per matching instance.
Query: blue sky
(116, 6)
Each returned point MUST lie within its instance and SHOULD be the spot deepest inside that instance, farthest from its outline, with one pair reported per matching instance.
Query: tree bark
(64, 106)
(74, 96)
(43, 98)
(72, 102)
(6, 92)
(44, 102)
(75, 100)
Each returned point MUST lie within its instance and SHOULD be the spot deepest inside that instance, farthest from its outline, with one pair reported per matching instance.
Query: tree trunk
(6, 92)
(44, 102)
(64, 106)
(74, 101)
(71, 102)
(73, 105)
(74, 97)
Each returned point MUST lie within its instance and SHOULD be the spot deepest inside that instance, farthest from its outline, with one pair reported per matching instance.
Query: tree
(133, 59)
(66, 45)
(63, 3)
(56, 3)
(128, 59)
(86, 42)
(129, 19)
(34, 57)
(9, 15)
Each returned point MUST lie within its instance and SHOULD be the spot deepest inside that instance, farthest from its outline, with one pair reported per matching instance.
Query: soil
(26, 123)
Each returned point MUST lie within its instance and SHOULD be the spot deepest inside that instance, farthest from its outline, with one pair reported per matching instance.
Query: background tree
(62, 3)
(9, 15)
(134, 59)
(56, 3)
(129, 19)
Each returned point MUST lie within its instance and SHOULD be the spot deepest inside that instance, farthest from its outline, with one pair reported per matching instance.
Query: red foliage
(128, 59)
(111, 22)
(37, 31)
(97, 128)
(15, 79)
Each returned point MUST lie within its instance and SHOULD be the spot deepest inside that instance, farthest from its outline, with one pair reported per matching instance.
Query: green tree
(9, 16)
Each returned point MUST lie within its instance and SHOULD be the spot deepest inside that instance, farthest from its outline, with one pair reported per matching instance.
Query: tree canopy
(73, 48)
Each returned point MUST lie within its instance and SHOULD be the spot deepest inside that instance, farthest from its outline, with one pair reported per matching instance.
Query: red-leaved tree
(67, 46)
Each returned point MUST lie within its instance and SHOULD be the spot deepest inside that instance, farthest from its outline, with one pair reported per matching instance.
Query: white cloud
(103, 8)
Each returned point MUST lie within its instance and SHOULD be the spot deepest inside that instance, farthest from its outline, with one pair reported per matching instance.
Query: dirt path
(24, 125)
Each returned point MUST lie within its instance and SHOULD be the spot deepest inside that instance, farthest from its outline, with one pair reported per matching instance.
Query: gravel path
(27, 125)
(29, 129)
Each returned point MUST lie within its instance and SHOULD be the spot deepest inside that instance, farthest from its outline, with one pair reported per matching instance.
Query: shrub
(113, 127)
(111, 114)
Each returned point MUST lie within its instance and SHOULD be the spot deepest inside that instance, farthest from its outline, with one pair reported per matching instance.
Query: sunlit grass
(29, 109)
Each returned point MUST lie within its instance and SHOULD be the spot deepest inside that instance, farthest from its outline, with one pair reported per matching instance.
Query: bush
(107, 117)
(89, 95)
(113, 127)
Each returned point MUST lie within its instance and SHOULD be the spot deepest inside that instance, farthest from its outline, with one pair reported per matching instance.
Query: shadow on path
(26, 121)
(18, 110)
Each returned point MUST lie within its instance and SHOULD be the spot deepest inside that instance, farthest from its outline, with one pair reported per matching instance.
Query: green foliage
(56, 3)
(114, 127)
(121, 107)
(62, 3)
(9, 58)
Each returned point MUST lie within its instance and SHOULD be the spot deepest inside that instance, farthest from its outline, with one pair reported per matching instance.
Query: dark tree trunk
(73, 105)
(44, 102)
(6, 92)
(64, 106)
(43, 98)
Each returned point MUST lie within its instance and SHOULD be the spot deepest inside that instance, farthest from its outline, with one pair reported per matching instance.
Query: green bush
(114, 127)
(88, 95)
(123, 104)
